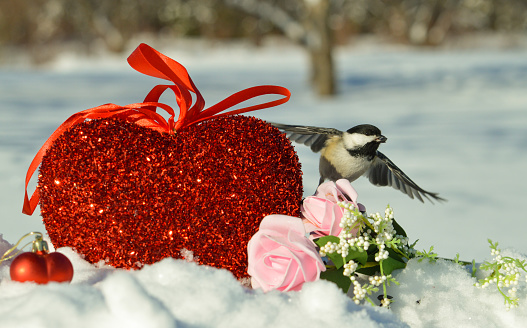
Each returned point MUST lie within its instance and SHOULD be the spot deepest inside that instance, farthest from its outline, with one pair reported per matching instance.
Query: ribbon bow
(149, 61)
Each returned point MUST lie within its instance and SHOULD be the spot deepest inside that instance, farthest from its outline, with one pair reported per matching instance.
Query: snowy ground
(456, 123)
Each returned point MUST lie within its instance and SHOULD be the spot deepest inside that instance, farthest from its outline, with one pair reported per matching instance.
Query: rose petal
(345, 187)
(282, 224)
(314, 210)
(310, 227)
(323, 214)
(280, 255)
(328, 190)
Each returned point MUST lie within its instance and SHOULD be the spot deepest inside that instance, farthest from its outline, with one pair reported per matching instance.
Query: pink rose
(322, 217)
(321, 212)
(340, 190)
(281, 256)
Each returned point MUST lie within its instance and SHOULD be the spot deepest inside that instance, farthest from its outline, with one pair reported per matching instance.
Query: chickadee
(354, 153)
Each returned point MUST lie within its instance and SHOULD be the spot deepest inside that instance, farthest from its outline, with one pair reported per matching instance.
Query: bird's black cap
(366, 129)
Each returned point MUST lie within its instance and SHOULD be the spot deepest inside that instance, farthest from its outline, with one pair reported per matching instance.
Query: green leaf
(326, 239)
(337, 277)
(357, 256)
(336, 258)
(398, 229)
(371, 255)
(370, 269)
(430, 255)
(395, 255)
(391, 264)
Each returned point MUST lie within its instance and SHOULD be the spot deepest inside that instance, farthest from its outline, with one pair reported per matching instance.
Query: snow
(447, 298)
(174, 293)
(455, 122)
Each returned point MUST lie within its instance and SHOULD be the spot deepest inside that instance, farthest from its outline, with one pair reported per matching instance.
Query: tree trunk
(319, 45)
(311, 31)
(322, 71)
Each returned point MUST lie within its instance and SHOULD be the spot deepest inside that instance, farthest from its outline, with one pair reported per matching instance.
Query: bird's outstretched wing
(311, 136)
(384, 172)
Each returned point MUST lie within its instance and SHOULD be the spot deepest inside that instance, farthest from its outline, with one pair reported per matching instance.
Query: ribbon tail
(30, 204)
(239, 98)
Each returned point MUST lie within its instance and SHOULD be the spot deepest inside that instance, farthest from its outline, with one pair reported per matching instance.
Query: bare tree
(40, 27)
(306, 23)
(428, 22)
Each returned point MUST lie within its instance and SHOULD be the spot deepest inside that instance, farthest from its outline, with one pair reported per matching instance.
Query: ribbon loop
(149, 61)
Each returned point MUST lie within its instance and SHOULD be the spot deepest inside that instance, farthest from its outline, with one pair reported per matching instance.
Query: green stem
(451, 260)
(384, 281)
(368, 224)
(507, 298)
(397, 250)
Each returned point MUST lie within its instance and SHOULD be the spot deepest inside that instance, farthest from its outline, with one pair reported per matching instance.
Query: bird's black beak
(381, 139)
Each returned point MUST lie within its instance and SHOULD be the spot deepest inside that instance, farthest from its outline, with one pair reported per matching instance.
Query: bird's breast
(346, 165)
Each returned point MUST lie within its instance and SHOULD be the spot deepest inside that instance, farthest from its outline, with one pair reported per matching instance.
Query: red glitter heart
(129, 195)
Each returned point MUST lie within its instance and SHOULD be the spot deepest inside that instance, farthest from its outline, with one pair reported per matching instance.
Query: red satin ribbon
(149, 61)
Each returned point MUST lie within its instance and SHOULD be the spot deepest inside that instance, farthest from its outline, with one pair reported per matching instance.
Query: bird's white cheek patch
(354, 140)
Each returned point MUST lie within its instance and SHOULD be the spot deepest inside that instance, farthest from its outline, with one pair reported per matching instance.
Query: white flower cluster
(359, 232)
(383, 254)
(358, 291)
(405, 246)
(377, 280)
(385, 302)
(348, 223)
(349, 268)
(328, 248)
(347, 239)
(360, 241)
(383, 227)
(349, 218)
(506, 274)
(341, 248)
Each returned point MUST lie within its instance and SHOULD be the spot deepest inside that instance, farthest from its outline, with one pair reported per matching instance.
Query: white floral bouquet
(336, 240)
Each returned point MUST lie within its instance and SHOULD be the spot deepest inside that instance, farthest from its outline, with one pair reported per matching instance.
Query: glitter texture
(129, 195)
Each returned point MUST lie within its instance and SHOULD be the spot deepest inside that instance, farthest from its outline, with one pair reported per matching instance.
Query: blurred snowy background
(456, 123)
(445, 81)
